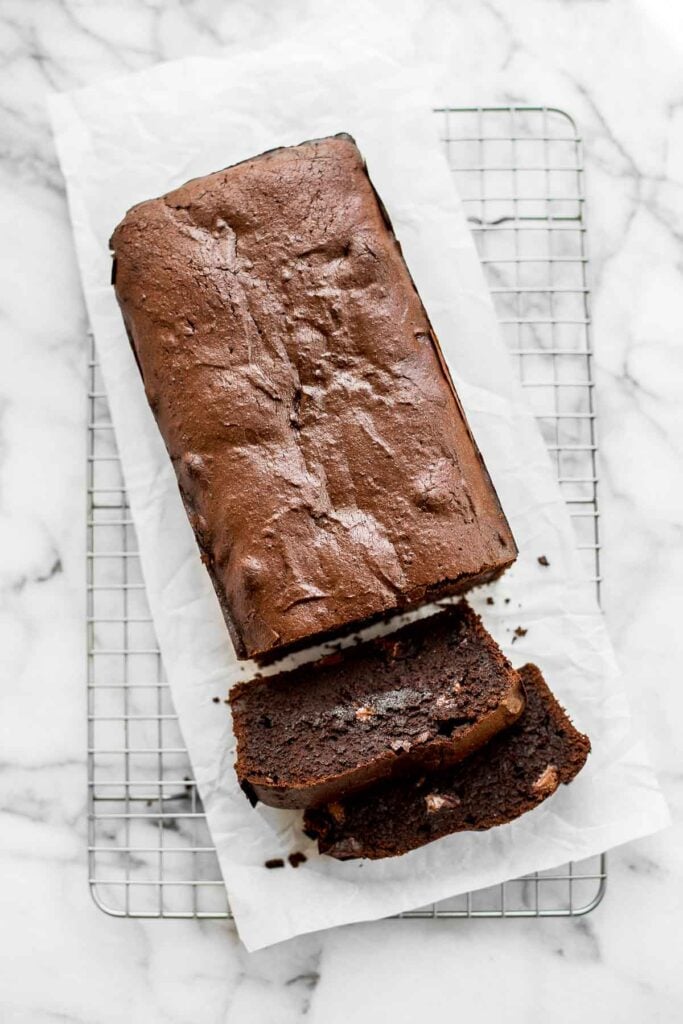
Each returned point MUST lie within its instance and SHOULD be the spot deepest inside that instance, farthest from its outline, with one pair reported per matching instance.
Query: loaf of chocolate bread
(419, 699)
(513, 773)
(321, 451)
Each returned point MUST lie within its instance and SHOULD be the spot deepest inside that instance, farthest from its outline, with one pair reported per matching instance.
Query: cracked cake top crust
(322, 454)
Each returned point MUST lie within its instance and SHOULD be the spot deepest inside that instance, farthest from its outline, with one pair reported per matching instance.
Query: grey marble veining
(62, 959)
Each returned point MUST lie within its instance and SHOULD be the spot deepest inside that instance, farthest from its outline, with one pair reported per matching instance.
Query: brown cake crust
(321, 452)
(419, 699)
(512, 774)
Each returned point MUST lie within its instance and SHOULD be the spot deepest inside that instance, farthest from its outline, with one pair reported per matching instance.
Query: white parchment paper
(136, 137)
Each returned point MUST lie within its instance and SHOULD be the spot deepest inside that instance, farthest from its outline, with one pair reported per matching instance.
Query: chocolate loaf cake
(321, 451)
(418, 700)
(512, 774)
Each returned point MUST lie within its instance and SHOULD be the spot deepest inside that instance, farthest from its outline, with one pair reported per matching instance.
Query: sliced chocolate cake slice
(417, 700)
(516, 771)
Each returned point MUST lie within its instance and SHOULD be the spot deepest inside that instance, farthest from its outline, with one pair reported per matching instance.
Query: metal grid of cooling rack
(519, 171)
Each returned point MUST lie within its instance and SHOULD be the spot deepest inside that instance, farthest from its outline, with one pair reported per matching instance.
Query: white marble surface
(60, 958)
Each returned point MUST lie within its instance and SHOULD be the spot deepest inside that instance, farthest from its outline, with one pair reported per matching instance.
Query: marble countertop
(61, 959)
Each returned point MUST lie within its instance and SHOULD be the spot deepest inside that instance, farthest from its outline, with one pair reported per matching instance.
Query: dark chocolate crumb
(216, 700)
(297, 858)
(507, 600)
(275, 862)
(489, 600)
(543, 560)
(519, 632)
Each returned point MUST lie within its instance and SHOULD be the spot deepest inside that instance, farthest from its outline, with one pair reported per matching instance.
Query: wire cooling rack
(519, 171)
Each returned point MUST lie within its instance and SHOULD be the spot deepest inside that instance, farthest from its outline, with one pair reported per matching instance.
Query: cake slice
(512, 774)
(419, 699)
